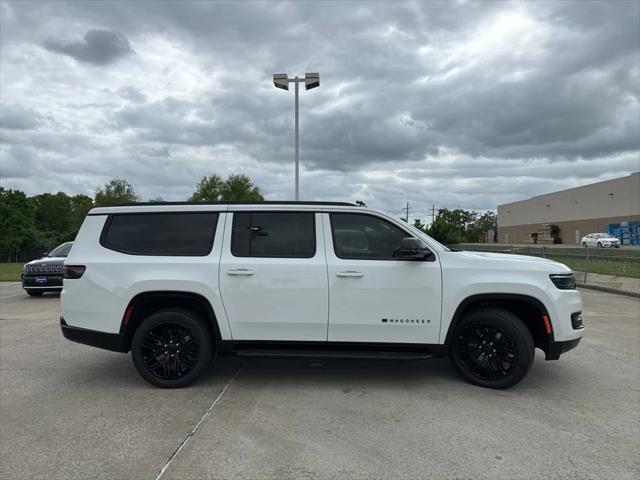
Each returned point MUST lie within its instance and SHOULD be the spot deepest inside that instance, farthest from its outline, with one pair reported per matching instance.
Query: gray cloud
(132, 94)
(452, 103)
(18, 117)
(99, 47)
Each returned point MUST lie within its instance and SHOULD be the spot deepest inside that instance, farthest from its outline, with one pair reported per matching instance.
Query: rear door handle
(350, 273)
(240, 271)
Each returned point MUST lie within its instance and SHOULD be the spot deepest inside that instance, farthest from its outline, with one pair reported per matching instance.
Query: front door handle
(240, 271)
(350, 273)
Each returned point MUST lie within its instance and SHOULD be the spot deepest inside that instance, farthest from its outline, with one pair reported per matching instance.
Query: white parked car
(600, 240)
(180, 284)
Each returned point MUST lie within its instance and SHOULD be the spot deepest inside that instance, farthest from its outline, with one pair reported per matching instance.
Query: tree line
(452, 227)
(31, 225)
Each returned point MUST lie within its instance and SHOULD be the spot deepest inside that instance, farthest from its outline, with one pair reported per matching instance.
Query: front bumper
(555, 349)
(31, 281)
(109, 341)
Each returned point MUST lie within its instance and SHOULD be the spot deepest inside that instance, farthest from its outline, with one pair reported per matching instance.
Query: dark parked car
(45, 274)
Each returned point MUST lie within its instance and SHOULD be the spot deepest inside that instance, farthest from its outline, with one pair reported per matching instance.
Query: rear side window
(273, 234)
(163, 234)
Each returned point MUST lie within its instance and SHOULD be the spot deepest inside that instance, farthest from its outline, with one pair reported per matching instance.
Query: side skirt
(369, 351)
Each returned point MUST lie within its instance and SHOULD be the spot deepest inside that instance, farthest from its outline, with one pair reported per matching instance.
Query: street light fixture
(282, 80)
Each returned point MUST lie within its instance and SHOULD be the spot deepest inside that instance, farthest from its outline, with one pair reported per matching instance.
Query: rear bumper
(555, 349)
(108, 341)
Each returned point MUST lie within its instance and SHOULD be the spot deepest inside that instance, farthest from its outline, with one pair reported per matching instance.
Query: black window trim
(109, 220)
(315, 242)
(368, 214)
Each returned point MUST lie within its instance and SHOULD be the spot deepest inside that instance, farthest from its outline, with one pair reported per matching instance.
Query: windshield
(61, 250)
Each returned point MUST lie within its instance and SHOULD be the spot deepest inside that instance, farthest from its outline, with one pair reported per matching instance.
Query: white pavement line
(6, 284)
(206, 414)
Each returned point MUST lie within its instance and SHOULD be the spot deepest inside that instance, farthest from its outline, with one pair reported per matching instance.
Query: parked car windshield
(61, 250)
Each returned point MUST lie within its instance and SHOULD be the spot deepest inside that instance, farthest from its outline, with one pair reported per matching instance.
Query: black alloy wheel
(171, 348)
(486, 351)
(169, 351)
(492, 348)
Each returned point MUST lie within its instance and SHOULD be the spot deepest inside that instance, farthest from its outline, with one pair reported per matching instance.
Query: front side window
(365, 237)
(273, 234)
(163, 234)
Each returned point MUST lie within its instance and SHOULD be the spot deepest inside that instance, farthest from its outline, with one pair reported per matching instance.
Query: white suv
(179, 284)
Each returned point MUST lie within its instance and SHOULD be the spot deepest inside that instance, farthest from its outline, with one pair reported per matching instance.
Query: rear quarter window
(188, 234)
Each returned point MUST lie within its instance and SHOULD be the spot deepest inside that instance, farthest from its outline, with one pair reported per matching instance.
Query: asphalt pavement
(69, 411)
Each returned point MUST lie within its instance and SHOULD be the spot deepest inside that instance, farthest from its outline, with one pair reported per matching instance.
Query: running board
(366, 355)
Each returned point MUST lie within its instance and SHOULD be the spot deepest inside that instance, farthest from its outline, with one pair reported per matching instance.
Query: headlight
(564, 281)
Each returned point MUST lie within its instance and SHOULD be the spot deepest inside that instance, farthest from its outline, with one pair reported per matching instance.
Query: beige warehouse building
(576, 211)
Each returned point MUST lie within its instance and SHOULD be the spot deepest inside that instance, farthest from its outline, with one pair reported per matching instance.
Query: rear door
(273, 275)
(374, 297)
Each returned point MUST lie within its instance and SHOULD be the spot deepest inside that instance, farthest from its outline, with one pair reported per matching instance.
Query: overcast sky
(467, 104)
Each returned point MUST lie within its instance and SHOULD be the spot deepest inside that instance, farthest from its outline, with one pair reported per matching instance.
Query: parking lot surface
(70, 411)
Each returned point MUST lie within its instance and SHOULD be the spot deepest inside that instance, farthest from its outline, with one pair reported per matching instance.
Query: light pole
(311, 80)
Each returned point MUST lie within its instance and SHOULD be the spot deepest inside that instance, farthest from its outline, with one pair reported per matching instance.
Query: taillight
(73, 271)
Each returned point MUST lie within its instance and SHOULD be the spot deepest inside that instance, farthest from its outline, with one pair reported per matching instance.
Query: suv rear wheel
(171, 348)
(492, 348)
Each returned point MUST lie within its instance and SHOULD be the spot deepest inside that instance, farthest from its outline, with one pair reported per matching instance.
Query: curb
(609, 290)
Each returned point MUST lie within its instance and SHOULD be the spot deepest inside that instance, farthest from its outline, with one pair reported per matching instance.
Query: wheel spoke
(181, 348)
(486, 350)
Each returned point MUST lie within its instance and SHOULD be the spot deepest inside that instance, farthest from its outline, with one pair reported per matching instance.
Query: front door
(373, 296)
(273, 276)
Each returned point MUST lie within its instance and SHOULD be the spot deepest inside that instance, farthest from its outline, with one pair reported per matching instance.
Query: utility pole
(406, 210)
(433, 213)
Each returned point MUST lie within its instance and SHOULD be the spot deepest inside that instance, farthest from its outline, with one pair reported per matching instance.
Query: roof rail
(266, 202)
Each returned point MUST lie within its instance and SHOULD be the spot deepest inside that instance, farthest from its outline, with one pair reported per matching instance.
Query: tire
(188, 343)
(584, 244)
(599, 245)
(34, 293)
(503, 335)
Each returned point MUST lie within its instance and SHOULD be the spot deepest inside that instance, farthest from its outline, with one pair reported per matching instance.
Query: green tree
(360, 203)
(485, 222)
(53, 216)
(453, 226)
(17, 223)
(209, 189)
(115, 192)
(236, 188)
(417, 223)
(239, 188)
(80, 206)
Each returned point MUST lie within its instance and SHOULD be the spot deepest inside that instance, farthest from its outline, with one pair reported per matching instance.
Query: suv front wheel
(492, 348)
(171, 348)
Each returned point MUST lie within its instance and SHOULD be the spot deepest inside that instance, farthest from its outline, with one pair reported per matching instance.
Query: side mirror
(45, 254)
(412, 249)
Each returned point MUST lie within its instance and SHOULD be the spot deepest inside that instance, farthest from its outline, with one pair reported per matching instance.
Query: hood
(519, 261)
(45, 265)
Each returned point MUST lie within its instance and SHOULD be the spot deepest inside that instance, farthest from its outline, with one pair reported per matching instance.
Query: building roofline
(578, 187)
